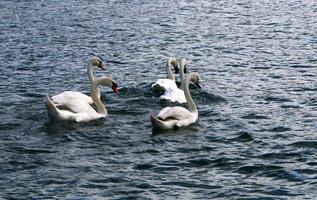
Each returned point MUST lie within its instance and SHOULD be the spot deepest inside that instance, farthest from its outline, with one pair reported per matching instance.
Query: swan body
(78, 110)
(58, 114)
(67, 97)
(169, 82)
(175, 117)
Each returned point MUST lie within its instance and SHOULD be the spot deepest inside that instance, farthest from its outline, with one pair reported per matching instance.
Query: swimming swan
(169, 82)
(175, 117)
(177, 94)
(67, 97)
(78, 110)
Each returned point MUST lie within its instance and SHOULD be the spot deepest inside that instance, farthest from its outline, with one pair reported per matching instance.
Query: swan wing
(65, 98)
(56, 114)
(177, 113)
(164, 84)
(163, 111)
(75, 102)
(77, 106)
(171, 117)
(162, 124)
(174, 95)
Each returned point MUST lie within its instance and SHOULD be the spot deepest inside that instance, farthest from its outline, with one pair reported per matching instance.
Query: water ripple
(255, 136)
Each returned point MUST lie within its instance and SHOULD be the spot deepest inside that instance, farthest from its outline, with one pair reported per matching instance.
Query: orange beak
(115, 89)
(101, 66)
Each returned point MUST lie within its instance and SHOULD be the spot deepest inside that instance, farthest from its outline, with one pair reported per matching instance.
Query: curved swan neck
(101, 109)
(191, 104)
(90, 72)
(168, 69)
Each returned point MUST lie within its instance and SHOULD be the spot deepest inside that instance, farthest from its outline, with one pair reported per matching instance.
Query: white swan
(177, 94)
(169, 82)
(67, 97)
(175, 117)
(174, 94)
(78, 110)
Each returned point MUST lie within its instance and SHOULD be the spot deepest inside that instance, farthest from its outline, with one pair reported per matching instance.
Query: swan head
(95, 61)
(115, 87)
(194, 79)
(107, 81)
(183, 65)
(172, 62)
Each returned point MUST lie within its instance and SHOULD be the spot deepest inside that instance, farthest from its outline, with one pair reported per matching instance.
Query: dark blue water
(256, 136)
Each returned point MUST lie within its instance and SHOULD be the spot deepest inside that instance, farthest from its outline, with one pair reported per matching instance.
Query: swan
(67, 97)
(78, 110)
(175, 117)
(169, 82)
(177, 94)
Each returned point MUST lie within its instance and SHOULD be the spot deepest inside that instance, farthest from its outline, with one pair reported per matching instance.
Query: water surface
(256, 133)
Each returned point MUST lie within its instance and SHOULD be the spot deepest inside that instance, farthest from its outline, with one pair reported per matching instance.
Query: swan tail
(155, 122)
(160, 124)
(52, 110)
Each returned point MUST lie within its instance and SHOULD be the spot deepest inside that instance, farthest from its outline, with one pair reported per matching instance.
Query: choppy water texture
(257, 131)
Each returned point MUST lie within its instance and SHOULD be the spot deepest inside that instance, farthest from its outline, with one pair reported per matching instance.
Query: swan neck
(101, 109)
(191, 104)
(182, 76)
(90, 69)
(169, 71)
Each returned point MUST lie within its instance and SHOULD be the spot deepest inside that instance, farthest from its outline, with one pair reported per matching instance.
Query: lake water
(256, 136)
